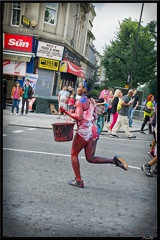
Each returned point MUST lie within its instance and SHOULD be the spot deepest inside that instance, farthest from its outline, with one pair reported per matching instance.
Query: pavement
(42, 120)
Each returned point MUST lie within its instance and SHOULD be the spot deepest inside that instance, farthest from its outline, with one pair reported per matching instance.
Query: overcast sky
(106, 23)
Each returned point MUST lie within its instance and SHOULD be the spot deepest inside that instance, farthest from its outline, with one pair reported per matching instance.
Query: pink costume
(87, 128)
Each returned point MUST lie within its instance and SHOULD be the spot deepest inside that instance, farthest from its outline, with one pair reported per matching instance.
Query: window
(51, 13)
(16, 9)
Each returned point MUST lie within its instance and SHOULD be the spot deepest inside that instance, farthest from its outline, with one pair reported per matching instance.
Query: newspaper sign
(49, 50)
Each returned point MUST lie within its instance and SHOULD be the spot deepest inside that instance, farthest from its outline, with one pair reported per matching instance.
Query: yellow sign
(127, 86)
(63, 66)
(25, 21)
(48, 64)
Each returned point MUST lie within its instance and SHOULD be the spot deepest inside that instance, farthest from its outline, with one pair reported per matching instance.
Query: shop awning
(17, 56)
(74, 69)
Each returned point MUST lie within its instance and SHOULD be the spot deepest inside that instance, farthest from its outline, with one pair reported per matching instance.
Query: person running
(87, 134)
(16, 94)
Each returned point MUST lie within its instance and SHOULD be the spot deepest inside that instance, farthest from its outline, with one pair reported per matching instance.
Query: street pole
(135, 47)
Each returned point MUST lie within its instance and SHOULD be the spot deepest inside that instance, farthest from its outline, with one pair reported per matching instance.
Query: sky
(106, 23)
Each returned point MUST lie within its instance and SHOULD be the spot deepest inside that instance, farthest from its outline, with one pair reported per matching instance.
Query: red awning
(74, 69)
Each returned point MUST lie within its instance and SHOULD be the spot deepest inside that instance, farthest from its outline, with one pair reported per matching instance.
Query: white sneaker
(11, 113)
(16, 114)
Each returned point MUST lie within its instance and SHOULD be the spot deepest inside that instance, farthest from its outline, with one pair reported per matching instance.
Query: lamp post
(135, 47)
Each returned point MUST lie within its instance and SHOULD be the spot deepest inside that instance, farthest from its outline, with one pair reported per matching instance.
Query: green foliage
(118, 57)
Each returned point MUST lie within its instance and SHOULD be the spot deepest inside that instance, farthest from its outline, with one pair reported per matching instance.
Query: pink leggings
(89, 148)
(114, 119)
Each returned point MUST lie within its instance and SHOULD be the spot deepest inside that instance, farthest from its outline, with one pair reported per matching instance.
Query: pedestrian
(71, 103)
(109, 100)
(4, 92)
(62, 99)
(122, 119)
(133, 107)
(146, 168)
(16, 94)
(116, 97)
(148, 111)
(87, 135)
(27, 95)
(102, 114)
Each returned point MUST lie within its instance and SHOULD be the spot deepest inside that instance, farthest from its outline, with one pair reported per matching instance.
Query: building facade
(50, 42)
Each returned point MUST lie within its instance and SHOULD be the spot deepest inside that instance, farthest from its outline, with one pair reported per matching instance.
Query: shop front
(18, 59)
(70, 69)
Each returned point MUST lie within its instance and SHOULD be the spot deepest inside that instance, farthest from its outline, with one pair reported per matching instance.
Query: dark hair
(89, 84)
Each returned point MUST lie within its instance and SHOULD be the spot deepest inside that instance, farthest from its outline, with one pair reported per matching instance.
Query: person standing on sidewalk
(4, 92)
(122, 119)
(27, 95)
(63, 96)
(87, 135)
(133, 107)
(16, 93)
(148, 113)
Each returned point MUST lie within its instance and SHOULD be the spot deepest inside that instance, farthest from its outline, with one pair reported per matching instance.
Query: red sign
(18, 42)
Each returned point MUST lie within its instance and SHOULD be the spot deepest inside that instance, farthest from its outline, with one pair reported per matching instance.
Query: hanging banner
(32, 79)
(14, 67)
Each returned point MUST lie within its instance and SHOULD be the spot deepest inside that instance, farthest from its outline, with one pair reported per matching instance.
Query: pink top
(16, 93)
(71, 101)
(87, 128)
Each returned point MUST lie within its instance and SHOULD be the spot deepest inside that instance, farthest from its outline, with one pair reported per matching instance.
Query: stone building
(49, 43)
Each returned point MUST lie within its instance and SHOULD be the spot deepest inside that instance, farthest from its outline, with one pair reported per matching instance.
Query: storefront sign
(14, 67)
(16, 57)
(48, 64)
(32, 79)
(48, 50)
(63, 66)
(18, 42)
(25, 21)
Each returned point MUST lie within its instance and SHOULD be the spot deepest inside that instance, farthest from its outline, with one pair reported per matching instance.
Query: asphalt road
(38, 202)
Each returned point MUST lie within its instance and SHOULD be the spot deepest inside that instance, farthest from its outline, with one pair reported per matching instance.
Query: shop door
(45, 82)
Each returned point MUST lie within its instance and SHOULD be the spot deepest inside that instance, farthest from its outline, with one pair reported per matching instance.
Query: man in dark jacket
(4, 92)
(27, 95)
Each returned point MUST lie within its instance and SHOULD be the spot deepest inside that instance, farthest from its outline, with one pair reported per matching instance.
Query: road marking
(18, 131)
(4, 135)
(54, 154)
(31, 129)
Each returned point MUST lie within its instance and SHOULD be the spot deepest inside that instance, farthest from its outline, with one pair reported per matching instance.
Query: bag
(119, 105)
(146, 109)
(100, 109)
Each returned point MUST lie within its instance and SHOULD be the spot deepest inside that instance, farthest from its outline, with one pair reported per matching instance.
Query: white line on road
(54, 154)
(31, 128)
(4, 135)
(18, 131)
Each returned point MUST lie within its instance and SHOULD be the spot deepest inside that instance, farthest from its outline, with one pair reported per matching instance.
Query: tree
(118, 57)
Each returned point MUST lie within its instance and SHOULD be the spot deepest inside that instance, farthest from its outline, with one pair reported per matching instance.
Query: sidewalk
(41, 120)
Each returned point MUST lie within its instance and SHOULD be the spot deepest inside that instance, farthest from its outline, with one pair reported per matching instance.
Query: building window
(51, 13)
(16, 10)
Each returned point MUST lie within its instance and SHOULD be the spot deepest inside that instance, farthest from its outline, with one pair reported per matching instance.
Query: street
(38, 202)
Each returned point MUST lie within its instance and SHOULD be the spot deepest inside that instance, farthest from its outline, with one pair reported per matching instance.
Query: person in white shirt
(63, 95)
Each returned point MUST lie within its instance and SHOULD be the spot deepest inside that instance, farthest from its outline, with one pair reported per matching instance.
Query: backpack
(119, 105)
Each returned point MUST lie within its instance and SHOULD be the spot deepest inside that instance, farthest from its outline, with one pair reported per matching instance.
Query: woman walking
(117, 95)
(149, 108)
(16, 93)
(87, 135)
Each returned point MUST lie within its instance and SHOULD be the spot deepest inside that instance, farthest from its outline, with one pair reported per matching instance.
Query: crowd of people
(112, 109)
